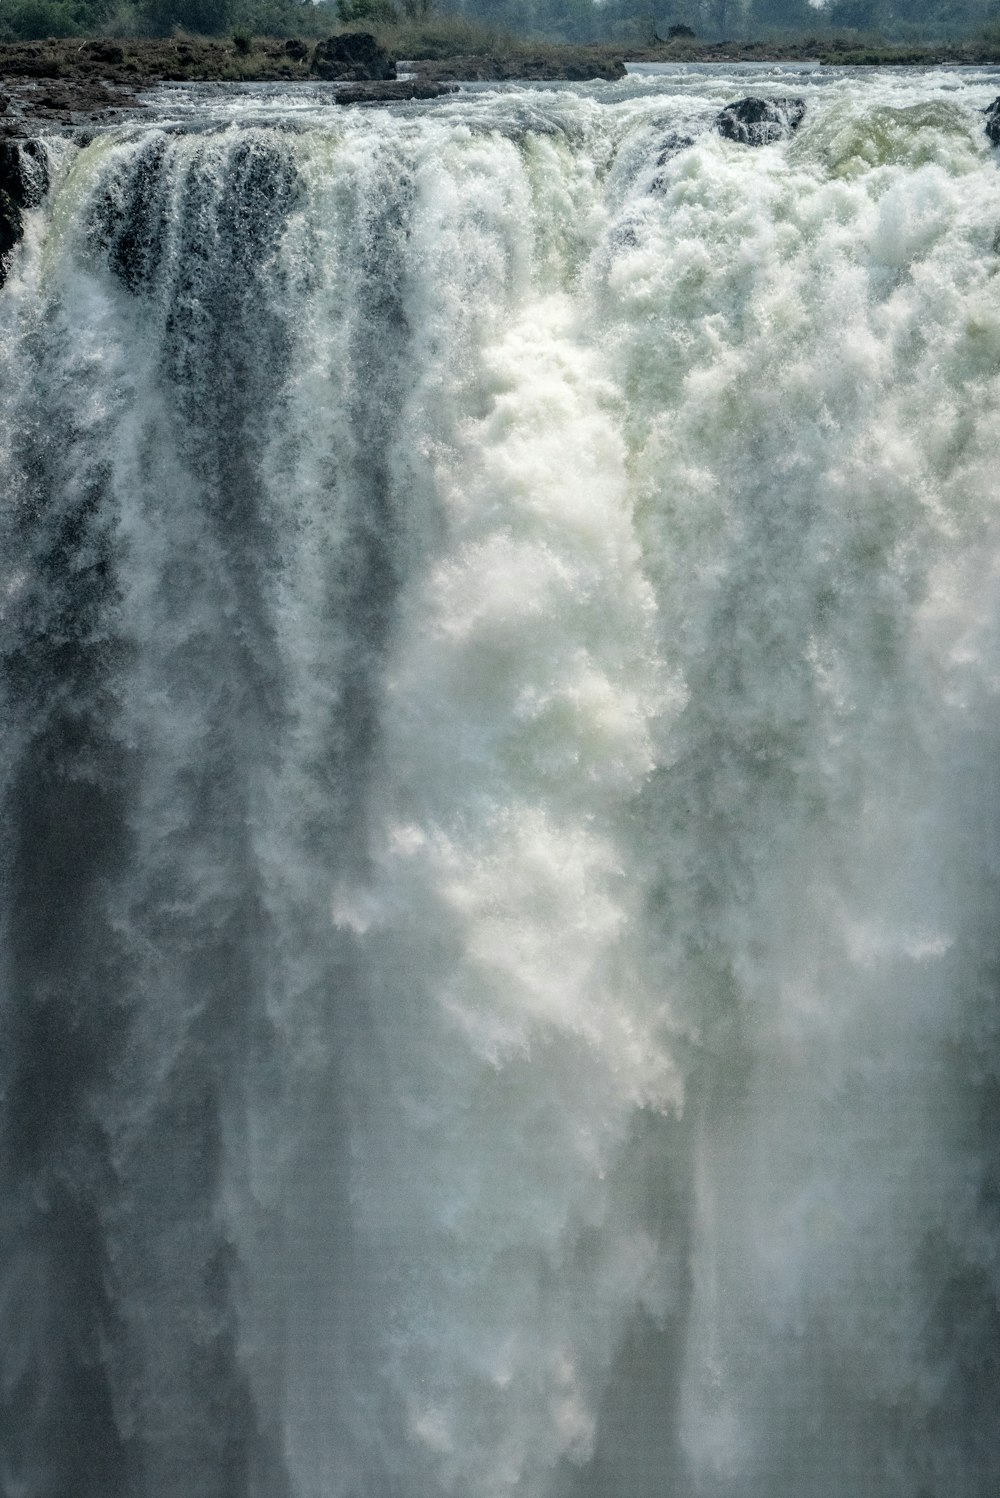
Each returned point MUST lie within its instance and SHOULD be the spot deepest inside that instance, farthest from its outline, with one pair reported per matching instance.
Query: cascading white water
(500, 622)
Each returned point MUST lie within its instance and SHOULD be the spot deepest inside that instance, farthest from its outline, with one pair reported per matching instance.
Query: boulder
(760, 122)
(992, 113)
(392, 90)
(353, 56)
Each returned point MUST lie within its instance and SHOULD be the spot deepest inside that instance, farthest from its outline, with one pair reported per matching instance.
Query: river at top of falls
(501, 845)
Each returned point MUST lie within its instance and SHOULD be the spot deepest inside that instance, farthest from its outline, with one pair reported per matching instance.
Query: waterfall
(499, 613)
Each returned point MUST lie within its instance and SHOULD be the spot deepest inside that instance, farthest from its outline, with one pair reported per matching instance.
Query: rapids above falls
(500, 617)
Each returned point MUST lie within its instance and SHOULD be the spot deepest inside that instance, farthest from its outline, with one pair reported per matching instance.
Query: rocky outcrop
(760, 122)
(992, 113)
(352, 56)
(24, 181)
(392, 91)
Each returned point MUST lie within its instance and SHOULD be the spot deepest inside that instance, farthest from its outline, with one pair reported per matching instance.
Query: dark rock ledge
(393, 90)
(24, 181)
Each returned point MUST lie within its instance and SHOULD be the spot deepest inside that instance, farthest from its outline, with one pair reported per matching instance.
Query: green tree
(377, 12)
(206, 17)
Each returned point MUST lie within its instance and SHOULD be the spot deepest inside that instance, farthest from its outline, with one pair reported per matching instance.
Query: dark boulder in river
(24, 180)
(354, 56)
(760, 122)
(393, 90)
(992, 113)
(579, 64)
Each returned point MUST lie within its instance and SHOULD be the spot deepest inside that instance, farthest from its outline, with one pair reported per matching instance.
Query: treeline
(22, 20)
(639, 23)
(646, 22)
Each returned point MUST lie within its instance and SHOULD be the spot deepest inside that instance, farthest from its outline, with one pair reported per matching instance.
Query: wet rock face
(354, 56)
(24, 181)
(673, 143)
(24, 171)
(992, 113)
(760, 122)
